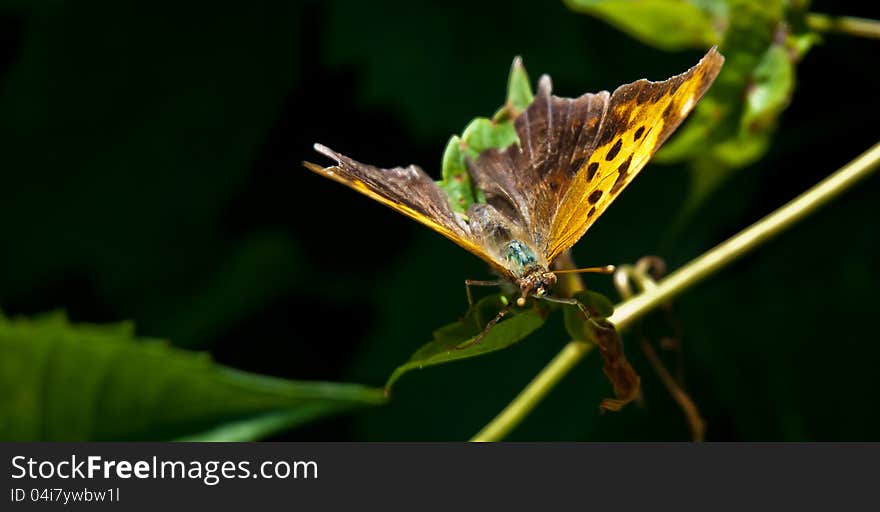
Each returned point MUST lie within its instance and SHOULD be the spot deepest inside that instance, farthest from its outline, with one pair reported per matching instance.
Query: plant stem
(751, 237)
(692, 273)
(529, 397)
(860, 27)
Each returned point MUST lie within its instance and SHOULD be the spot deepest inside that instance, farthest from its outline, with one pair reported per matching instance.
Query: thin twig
(849, 25)
(696, 423)
(692, 273)
(645, 282)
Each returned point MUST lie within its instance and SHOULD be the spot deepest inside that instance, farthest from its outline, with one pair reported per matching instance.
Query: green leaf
(751, 31)
(456, 182)
(767, 94)
(445, 347)
(665, 24)
(733, 124)
(577, 326)
(519, 90)
(482, 134)
(64, 382)
(770, 91)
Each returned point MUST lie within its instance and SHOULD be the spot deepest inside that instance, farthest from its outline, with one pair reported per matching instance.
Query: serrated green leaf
(482, 134)
(98, 382)
(456, 182)
(666, 24)
(445, 347)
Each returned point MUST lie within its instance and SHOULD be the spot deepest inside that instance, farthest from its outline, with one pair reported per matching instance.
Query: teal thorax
(520, 257)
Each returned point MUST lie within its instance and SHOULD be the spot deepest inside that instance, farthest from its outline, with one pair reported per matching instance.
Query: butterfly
(574, 156)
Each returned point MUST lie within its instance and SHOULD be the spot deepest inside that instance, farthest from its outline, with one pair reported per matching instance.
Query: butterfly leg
(569, 301)
(472, 282)
(479, 337)
(574, 302)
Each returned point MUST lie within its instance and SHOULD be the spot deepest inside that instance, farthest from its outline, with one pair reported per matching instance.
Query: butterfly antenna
(607, 269)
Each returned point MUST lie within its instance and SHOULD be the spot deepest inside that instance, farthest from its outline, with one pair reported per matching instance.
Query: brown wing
(574, 156)
(640, 117)
(409, 191)
(527, 181)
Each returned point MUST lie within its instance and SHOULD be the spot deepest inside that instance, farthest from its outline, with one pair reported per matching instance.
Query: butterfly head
(539, 282)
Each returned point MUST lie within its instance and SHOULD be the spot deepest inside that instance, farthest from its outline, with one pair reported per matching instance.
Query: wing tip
(714, 54)
(545, 85)
(312, 167)
(711, 62)
(324, 150)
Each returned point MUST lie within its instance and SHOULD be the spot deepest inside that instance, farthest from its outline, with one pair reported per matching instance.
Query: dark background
(151, 171)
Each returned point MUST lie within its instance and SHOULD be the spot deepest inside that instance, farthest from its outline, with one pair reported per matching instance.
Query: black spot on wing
(615, 149)
(624, 167)
(622, 172)
(669, 112)
(576, 166)
(594, 197)
(639, 133)
(591, 170)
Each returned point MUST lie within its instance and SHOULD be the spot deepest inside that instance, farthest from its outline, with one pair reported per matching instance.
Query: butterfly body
(538, 282)
(573, 157)
(521, 261)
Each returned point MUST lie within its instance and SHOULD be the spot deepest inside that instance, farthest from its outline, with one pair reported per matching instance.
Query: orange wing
(640, 117)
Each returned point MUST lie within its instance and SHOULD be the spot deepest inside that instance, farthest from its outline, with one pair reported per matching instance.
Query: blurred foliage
(666, 24)
(64, 382)
(762, 42)
(156, 178)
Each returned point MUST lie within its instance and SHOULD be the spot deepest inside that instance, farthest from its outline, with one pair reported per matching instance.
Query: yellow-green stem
(514, 413)
(692, 273)
(849, 25)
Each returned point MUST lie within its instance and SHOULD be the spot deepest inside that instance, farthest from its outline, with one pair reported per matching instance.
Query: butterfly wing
(410, 191)
(639, 118)
(573, 158)
(527, 180)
